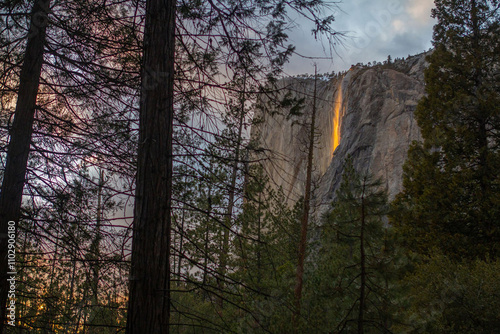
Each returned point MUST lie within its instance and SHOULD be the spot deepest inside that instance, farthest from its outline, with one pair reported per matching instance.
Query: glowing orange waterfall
(336, 118)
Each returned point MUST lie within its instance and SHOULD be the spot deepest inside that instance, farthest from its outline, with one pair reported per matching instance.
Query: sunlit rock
(366, 113)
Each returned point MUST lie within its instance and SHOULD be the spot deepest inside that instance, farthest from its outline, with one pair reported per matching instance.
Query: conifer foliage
(354, 262)
(153, 91)
(448, 215)
(451, 199)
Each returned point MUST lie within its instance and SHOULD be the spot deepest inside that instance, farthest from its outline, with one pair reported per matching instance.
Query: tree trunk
(305, 215)
(149, 296)
(232, 190)
(362, 288)
(94, 265)
(207, 232)
(20, 140)
(181, 243)
(259, 243)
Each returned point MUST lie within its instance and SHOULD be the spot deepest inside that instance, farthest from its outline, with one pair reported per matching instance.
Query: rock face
(375, 107)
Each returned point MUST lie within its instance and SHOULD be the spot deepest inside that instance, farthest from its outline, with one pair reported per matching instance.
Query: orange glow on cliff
(336, 119)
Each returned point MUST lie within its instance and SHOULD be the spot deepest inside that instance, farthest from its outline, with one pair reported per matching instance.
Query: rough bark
(149, 296)
(20, 140)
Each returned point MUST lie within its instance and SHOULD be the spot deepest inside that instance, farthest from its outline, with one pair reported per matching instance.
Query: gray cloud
(374, 29)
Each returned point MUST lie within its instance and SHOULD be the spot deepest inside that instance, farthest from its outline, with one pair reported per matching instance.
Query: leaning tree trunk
(149, 296)
(20, 140)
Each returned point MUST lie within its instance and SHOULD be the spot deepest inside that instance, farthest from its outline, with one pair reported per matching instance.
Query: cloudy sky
(374, 29)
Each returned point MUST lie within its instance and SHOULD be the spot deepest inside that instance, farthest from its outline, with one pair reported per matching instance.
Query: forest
(134, 198)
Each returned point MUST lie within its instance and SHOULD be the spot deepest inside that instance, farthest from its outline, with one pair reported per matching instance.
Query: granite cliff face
(369, 108)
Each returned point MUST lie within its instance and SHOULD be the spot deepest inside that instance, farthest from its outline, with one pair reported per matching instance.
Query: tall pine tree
(451, 181)
(353, 266)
